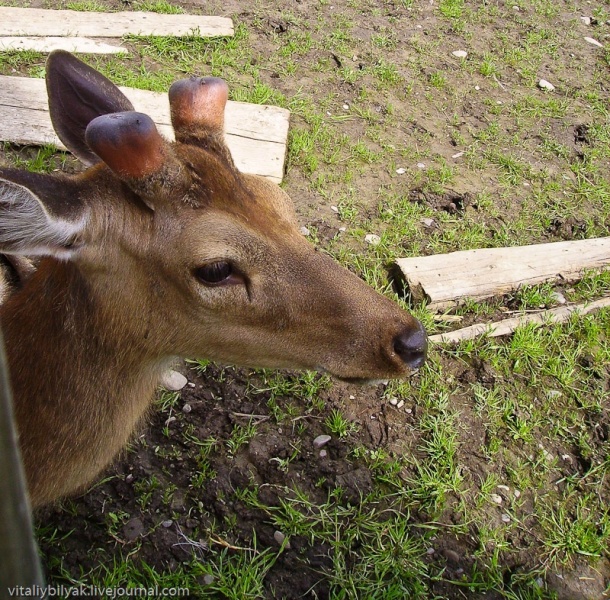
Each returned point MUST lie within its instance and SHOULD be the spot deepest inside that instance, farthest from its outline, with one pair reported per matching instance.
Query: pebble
(173, 381)
(558, 297)
(495, 498)
(372, 239)
(517, 493)
(346, 107)
(393, 401)
(279, 537)
(191, 384)
(421, 166)
(430, 551)
(400, 404)
(594, 42)
(477, 87)
(505, 518)
(504, 488)
(323, 453)
(334, 209)
(305, 231)
(427, 222)
(208, 579)
(460, 53)
(457, 155)
(129, 478)
(586, 20)
(545, 85)
(401, 171)
(167, 523)
(321, 440)
(408, 410)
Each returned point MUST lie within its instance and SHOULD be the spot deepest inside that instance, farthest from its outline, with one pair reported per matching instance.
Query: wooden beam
(256, 134)
(41, 22)
(48, 44)
(449, 279)
(507, 326)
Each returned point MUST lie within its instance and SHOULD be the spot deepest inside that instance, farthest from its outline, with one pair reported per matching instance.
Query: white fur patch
(27, 228)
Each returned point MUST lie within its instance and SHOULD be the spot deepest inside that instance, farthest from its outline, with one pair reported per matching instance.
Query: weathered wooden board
(449, 279)
(256, 134)
(70, 44)
(506, 326)
(41, 22)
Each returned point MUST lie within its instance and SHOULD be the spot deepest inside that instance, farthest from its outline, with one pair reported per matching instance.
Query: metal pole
(19, 561)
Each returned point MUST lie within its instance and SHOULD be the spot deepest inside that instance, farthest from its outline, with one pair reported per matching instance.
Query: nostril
(412, 346)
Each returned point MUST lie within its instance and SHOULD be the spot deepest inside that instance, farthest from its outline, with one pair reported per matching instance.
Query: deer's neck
(81, 378)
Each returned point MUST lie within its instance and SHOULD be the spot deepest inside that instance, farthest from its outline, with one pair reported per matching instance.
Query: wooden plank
(449, 279)
(70, 44)
(507, 326)
(256, 134)
(41, 22)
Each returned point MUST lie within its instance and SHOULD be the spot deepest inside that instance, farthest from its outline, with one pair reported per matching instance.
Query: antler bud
(197, 106)
(130, 144)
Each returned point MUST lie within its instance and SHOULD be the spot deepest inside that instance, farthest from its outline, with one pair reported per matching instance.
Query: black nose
(412, 345)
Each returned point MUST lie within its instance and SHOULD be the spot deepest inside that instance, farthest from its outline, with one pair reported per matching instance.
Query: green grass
(523, 418)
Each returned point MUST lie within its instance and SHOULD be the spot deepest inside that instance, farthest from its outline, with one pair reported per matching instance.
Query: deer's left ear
(35, 218)
(77, 95)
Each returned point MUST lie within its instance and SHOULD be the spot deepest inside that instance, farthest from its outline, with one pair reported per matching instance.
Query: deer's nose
(412, 346)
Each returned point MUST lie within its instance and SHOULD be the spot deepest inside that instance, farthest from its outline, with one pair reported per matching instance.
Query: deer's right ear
(77, 95)
(32, 224)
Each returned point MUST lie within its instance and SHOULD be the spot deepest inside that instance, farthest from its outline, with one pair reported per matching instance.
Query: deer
(158, 250)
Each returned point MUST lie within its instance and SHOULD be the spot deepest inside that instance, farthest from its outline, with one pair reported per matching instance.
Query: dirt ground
(120, 518)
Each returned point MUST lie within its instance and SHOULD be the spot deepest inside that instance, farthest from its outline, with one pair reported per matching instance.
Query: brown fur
(88, 338)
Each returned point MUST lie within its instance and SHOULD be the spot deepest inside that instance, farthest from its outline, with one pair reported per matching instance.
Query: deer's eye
(215, 273)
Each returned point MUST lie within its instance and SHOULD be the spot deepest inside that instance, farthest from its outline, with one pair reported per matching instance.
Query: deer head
(161, 249)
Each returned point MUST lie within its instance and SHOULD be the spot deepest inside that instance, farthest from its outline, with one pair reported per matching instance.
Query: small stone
(505, 518)
(401, 171)
(477, 87)
(352, 397)
(279, 537)
(558, 297)
(323, 453)
(346, 107)
(460, 53)
(408, 410)
(594, 42)
(421, 166)
(191, 384)
(430, 551)
(208, 579)
(495, 498)
(372, 239)
(516, 8)
(393, 401)
(504, 488)
(545, 85)
(517, 494)
(321, 440)
(342, 229)
(458, 155)
(305, 231)
(427, 222)
(334, 209)
(400, 404)
(167, 523)
(173, 381)
(129, 478)
(187, 408)
(586, 20)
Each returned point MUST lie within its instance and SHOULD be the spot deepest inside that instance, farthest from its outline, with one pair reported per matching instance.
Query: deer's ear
(77, 95)
(35, 220)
